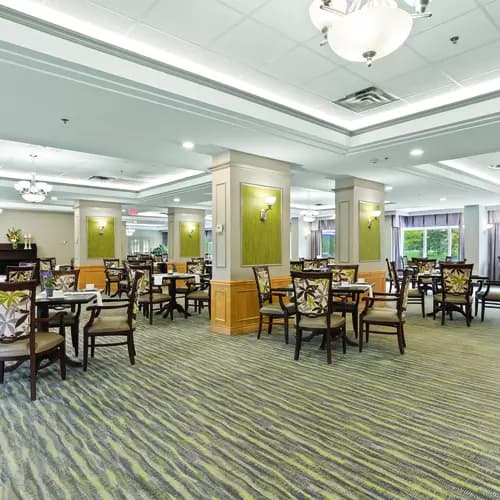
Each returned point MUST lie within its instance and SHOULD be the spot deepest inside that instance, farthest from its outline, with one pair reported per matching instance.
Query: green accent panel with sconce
(369, 231)
(260, 239)
(190, 239)
(100, 237)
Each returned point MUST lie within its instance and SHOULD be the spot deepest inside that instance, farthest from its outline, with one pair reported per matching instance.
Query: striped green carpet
(205, 416)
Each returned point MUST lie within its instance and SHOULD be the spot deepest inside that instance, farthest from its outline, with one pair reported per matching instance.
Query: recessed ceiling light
(32, 155)
(53, 198)
(388, 188)
(188, 145)
(442, 199)
(123, 210)
(417, 152)
(176, 200)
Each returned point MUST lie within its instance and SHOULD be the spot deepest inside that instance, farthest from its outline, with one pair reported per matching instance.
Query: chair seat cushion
(319, 323)
(494, 295)
(124, 283)
(44, 341)
(382, 315)
(414, 293)
(451, 299)
(104, 324)
(157, 298)
(425, 281)
(275, 309)
(198, 295)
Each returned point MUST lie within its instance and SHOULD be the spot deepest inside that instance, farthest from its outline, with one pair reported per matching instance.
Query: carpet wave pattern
(208, 416)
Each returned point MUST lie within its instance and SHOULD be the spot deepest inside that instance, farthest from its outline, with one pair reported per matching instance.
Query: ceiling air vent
(101, 178)
(366, 100)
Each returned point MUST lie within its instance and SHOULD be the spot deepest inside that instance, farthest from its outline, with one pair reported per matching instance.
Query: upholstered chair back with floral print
(403, 291)
(263, 281)
(345, 273)
(456, 279)
(331, 261)
(393, 274)
(426, 266)
(134, 295)
(310, 264)
(66, 281)
(313, 294)
(45, 265)
(296, 266)
(195, 267)
(111, 263)
(16, 274)
(17, 306)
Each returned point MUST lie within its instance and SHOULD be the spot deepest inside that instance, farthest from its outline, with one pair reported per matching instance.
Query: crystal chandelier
(33, 191)
(365, 30)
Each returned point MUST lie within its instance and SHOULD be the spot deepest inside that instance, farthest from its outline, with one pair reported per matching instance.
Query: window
(432, 243)
(327, 243)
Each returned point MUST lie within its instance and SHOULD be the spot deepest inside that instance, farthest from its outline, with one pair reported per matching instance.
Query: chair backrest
(393, 274)
(198, 259)
(134, 296)
(402, 303)
(313, 293)
(426, 266)
(345, 272)
(296, 265)
(322, 263)
(309, 264)
(195, 267)
(17, 310)
(144, 286)
(456, 279)
(17, 274)
(404, 261)
(263, 282)
(111, 263)
(331, 261)
(46, 264)
(66, 267)
(66, 281)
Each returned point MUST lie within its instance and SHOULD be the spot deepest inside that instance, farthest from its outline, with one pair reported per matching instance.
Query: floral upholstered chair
(198, 290)
(115, 318)
(425, 266)
(18, 340)
(415, 295)
(455, 293)
(346, 303)
(17, 274)
(296, 265)
(488, 296)
(387, 317)
(266, 305)
(149, 294)
(67, 281)
(313, 299)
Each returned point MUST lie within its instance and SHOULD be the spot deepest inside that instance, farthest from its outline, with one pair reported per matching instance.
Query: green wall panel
(100, 245)
(260, 240)
(369, 238)
(190, 239)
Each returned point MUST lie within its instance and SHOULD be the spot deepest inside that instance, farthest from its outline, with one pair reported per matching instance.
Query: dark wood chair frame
(348, 303)
(420, 300)
(10, 270)
(482, 297)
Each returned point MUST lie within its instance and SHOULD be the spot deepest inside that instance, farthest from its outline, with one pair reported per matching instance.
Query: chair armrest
(59, 315)
(107, 308)
(384, 294)
(380, 299)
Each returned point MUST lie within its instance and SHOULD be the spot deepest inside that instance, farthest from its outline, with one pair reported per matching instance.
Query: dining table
(172, 279)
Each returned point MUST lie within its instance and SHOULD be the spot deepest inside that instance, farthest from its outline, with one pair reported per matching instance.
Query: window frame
(424, 238)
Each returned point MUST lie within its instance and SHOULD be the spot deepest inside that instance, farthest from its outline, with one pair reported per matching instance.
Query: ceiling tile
(474, 29)
(130, 8)
(198, 21)
(293, 22)
(473, 63)
(432, 93)
(415, 82)
(298, 66)
(252, 43)
(401, 61)
(337, 84)
(493, 10)
(244, 6)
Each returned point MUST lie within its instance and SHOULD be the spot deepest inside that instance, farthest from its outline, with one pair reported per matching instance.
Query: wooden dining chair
(347, 303)
(113, 274)
(296, 265)
(415, 295)
(313, 300)
(487, 296)
(266, 305)
(19, 339)
(392, 319)
(197, 292)
(16, 274)
(115, 318)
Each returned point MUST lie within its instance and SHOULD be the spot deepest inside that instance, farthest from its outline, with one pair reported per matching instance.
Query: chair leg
(468, 314)
(443, 313)
(360, 340)
(400, 340)
(260, 326)
(186, 305)
(328, 346)
(298, 343)
(423, 306)
(62, 360)
(483, 307)
(150, 313)
(92, 347)
(285, 320)
(2, 371)
(85, 350)
(476, 306)
(74, 338)
(131, 349)
(344, 339)
(355, 323)
(403, 336)
(33, 377)
(270, 325)
(367, 337)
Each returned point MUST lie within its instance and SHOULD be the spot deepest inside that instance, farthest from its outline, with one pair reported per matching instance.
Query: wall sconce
(191, 230)
(100, 227)
(374, 216)
(270, 201)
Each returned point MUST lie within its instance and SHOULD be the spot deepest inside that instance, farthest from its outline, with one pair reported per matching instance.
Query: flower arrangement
(14, 236)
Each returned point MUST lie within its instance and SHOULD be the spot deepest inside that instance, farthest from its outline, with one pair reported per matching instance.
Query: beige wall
(52, 232)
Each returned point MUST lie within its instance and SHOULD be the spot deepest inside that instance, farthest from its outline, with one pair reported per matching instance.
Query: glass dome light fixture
(309, 215)
(365, 30)
(33, 191)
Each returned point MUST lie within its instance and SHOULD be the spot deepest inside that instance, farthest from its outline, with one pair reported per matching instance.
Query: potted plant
(49, 283)
(14, 236)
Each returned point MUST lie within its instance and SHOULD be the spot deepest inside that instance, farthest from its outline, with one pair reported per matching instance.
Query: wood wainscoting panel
(378, 280)
(235, 305)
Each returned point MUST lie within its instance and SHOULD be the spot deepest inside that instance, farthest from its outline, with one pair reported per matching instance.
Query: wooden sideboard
(11, 257)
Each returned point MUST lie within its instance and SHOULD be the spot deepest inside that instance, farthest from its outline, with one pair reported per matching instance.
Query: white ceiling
(127, 131)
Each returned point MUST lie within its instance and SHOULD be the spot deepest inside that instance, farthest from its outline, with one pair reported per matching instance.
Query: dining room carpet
(211, 416)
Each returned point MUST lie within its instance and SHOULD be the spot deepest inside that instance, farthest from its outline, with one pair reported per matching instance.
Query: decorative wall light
(270, 201)
(129, 232)
(191, 230)
(101, 225)
(374, 216)
(33, 191)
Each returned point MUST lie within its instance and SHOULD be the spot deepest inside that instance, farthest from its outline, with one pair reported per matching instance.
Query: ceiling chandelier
(365, 30)
(309, 215)
(33, 191)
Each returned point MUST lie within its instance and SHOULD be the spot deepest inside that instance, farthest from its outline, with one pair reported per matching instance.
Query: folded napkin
(157, 280)
(98, 296)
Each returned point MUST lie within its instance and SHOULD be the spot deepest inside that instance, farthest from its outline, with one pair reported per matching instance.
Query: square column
(248, 230)
(476, 238)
